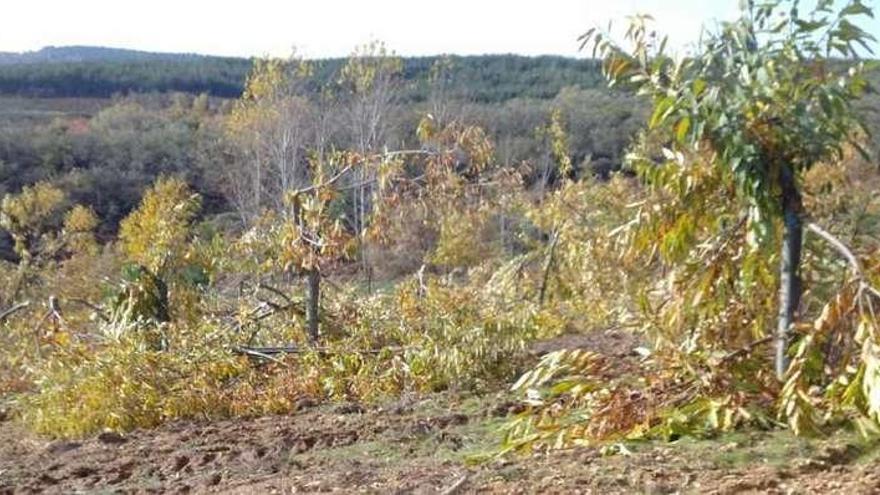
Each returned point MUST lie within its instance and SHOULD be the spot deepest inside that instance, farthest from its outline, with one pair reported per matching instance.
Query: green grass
(777, 448)
(458, 443)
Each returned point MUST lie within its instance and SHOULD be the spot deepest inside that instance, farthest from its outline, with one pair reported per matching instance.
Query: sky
(328, 28)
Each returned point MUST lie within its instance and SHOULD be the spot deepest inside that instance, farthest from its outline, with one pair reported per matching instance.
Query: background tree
(313, 239)
(556, 162)
(269, 128)
(157, 233)
(440, 86)
(370, 83)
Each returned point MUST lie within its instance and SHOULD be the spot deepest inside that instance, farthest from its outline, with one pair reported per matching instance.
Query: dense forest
(102, 72)
(243, 272)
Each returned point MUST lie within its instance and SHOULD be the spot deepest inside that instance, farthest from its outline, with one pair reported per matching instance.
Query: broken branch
(14, 309)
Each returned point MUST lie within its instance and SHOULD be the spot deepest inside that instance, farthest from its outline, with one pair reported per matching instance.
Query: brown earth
(426, 445)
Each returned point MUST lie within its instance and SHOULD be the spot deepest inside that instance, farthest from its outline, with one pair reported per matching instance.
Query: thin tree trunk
(502, 220)
(548, 266)
(789, 267)
(362, 241)
(313, 303)
(258, 187)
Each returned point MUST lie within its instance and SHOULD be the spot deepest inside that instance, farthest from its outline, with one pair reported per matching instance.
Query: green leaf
(699, 85)
(857, 8)
(805, 26)
(682, 128)
(661, 111)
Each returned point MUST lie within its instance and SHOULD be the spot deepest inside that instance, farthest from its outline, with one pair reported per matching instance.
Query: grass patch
(777, 448)
(449, 428)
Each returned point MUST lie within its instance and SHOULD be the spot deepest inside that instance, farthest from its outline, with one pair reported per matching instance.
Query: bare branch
(329, 182)
(848, 254)
(335, 178)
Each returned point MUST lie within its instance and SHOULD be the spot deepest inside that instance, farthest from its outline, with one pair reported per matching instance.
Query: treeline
(487, 78)
(220, 77)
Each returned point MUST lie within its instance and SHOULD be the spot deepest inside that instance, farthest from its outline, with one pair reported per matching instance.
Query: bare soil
(421, 445)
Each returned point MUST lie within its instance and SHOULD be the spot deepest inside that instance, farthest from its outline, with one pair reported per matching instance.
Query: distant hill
(67, 54)
(85, 71)
(101, 72)
(94, 71)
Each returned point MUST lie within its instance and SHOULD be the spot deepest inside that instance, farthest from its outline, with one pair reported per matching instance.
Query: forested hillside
(104, 72)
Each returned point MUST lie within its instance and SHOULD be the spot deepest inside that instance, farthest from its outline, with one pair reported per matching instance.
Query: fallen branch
(94, 307)
(11, 311)
(255, 353)
(457, 486)
(292, 349)
(691, 386)
(275, 291)
(746, 350)
(268, 309)
(267, 351)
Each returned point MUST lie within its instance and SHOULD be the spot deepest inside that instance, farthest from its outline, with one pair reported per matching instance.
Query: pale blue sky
(320, 28)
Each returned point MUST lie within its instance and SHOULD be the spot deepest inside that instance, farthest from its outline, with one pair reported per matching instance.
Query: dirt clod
(349, 408)
(214, 479)
(180, 462)
(61, 446)
(111, 438)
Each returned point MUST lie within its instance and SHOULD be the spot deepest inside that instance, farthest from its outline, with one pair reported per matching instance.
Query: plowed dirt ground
(420, 445)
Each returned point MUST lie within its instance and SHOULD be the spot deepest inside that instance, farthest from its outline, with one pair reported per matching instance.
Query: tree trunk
(362, 241)
(313, 303)
(789, 267)
(548, 266)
